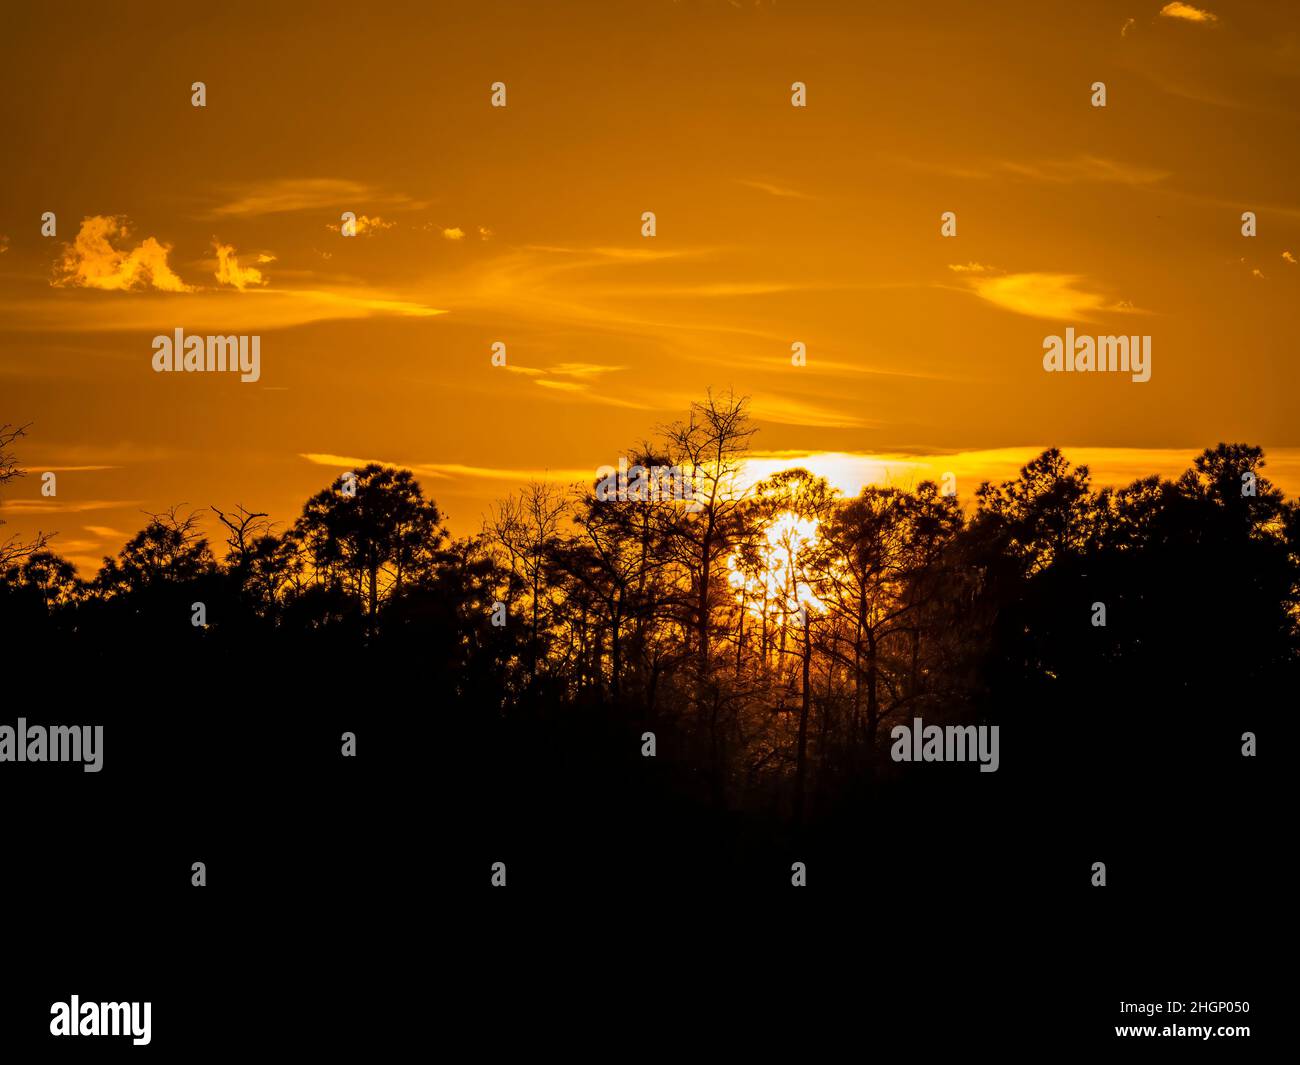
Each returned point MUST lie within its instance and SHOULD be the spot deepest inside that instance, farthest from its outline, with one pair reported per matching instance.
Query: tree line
(767, 634)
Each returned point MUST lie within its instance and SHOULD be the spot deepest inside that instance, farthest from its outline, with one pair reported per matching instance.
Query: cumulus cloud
(1187, 13)
(1289, 257)
(969, 268)
(92, 261)
(4, 244)
(366, 226)
(229, 272)
(457, 232)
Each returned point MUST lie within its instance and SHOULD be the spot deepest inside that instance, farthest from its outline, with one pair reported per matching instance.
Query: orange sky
(523, 225)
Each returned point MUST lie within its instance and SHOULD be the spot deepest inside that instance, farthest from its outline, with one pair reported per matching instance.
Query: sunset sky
(522, 225)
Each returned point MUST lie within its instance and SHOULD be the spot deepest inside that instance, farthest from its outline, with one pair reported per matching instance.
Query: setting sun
(770, 578)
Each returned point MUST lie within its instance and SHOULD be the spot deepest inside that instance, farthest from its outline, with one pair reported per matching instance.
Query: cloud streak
(779, 191)
(253, 310)
(1081, 169)
(308, 194)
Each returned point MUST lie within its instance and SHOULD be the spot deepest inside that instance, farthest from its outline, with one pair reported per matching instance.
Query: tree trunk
(740, 631)
(873, 705)
(801, 758)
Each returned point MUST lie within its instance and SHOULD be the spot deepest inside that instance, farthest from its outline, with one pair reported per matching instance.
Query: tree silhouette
(14, 550)
(371, 541)
(770, 634)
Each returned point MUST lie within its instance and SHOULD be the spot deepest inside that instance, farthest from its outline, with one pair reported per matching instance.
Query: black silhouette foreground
(769, 638)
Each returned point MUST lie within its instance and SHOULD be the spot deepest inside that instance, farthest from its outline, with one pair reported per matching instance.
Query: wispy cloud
(596, 255)
(582, 370)
(1084, 168)
(780, 191)
(576, 379)
(1081, 169)
(446, 470)
(308, 194)
(225, 309)
(785, 409)
(63, 506)
(72, 469)
(1045, 295)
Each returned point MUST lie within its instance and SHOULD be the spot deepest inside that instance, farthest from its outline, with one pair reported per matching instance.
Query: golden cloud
(92, 261)
(229, 272)
(1187, 12)
(442, 470)
(365, 225)
(257, 308)
(1045, 295)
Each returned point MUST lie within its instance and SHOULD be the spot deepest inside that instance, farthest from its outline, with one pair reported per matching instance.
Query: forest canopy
(770, 630)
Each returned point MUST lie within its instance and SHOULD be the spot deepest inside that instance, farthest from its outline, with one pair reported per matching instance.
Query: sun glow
(769, 576)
